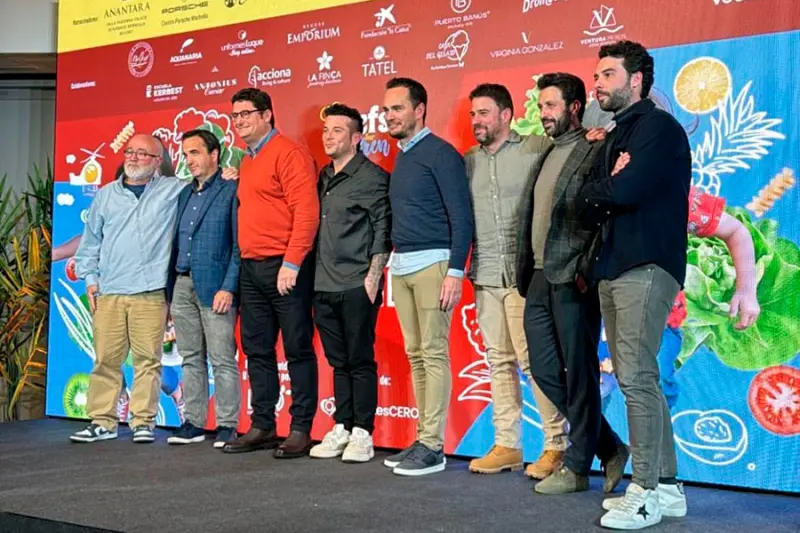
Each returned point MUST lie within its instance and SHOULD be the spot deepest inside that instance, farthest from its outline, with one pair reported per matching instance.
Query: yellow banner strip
(86, 24)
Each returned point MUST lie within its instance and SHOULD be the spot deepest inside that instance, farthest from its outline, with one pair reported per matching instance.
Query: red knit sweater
(278, 203)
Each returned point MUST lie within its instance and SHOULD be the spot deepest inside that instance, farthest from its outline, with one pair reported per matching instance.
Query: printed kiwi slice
(76, 394)
(85, 301)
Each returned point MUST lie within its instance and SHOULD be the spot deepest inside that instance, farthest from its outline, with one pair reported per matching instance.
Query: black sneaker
(187, 434)
(394, 460)
(93, 433)
(224, 436)
(421, 461)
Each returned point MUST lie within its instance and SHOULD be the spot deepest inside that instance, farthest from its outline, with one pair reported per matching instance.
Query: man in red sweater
(278, 221)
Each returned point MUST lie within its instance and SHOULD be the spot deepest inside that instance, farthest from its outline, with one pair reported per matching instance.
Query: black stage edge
(15, 523)
(49, 485)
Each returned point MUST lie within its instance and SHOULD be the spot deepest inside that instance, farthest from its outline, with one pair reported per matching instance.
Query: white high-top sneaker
(671, 497)
(639, 508)
(360, 449)
(333, 444)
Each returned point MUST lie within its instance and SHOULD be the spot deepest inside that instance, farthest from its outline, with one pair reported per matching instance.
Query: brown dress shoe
(255, 439)
(297, 444)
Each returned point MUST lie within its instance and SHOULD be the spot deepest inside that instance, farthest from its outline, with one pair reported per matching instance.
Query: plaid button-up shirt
(498, 183)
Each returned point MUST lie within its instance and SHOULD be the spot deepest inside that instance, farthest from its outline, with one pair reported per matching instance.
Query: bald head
(142, 158)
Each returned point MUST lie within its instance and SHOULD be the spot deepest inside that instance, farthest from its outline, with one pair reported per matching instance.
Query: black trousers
(264, 313)
(562, 326)
(346, 323)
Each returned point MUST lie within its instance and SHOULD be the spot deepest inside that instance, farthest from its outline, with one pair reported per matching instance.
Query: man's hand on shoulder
(596, 134)
(230, 174)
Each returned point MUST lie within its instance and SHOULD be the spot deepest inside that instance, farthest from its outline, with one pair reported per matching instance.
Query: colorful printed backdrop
(724, 68)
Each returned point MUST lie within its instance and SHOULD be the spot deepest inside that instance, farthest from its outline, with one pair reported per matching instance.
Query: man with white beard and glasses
(123, 258)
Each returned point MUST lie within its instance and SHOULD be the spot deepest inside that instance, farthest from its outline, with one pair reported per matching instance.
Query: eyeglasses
(140, 154)
(246, 113)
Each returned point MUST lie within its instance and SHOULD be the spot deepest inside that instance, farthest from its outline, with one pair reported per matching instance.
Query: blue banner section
(734, 397)
(735, 401)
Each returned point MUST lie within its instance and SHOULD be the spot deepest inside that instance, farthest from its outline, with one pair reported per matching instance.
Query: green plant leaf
(692, 339)
(25, 228)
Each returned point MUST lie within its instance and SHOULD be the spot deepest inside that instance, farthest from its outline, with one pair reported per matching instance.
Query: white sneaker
(639, 508)
(672, 499)
(333, 444)
(360, 449)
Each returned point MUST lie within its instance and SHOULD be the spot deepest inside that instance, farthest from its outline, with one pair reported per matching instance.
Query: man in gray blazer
(562, 315)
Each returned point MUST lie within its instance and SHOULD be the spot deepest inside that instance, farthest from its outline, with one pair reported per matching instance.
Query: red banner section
(171, 84)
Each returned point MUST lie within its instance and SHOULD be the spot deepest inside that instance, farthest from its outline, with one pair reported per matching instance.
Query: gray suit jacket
(566, 240)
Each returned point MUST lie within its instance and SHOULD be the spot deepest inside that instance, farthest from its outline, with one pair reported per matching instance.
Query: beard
(405, 132)
(139, 172)
(484, 135)
(561, 125)
(617, 99)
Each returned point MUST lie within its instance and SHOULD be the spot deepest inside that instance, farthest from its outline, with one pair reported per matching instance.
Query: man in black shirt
(353, 246)
(637, 198)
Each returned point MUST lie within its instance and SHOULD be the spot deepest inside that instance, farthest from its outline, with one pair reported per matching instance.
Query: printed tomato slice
(774, 399)
(70, 270)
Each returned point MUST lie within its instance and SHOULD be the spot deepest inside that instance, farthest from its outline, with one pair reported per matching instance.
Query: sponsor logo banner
(83, 24)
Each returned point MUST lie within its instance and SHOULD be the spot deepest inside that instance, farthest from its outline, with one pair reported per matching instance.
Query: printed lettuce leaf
(710, 284)
(531, 123)
(231, 155)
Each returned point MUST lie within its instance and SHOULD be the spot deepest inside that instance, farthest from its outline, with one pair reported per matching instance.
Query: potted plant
(25, 230)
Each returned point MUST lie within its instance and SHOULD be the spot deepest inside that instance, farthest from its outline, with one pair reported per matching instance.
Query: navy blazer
(215, 257)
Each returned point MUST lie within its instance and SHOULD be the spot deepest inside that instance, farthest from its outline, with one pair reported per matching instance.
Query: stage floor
(121, 486)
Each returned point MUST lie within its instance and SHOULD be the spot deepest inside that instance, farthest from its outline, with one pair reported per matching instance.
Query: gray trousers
(635, 308)
(199, 330)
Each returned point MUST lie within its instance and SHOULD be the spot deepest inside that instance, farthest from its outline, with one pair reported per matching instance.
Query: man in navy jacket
(432, 229)
(637, 200)
(202, 285)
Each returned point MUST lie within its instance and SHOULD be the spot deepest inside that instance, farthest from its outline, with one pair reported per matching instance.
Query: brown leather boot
(498, 459)
(548, 463)
(297, 444)
(255, 439)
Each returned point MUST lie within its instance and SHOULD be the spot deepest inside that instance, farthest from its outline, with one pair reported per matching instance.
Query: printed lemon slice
(702, 84)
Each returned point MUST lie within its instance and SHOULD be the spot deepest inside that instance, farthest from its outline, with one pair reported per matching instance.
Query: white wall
(28, 114)
(27, 108)
(28, 26)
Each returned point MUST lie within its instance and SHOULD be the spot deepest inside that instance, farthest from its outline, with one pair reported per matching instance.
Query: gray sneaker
(394, 460)
(562, 481)
(143, 434)
(93, 433)
(421, 461)
(614, 468)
